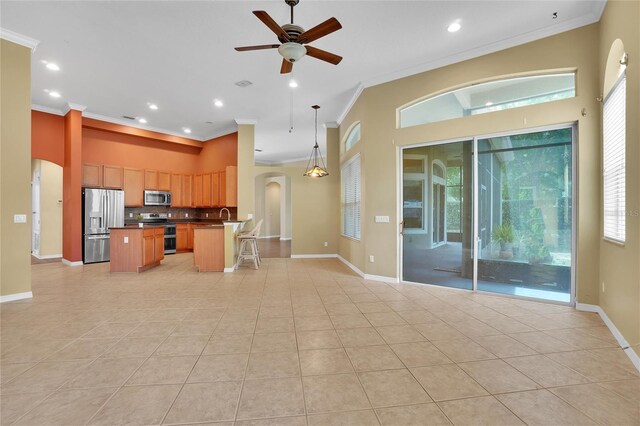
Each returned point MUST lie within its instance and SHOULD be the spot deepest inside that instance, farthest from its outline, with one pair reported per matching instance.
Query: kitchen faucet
(228, 213)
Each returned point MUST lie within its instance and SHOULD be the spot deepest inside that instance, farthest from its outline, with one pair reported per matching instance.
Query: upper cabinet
(99, 176)
(212, 189)
(112, 177)
(133, 187)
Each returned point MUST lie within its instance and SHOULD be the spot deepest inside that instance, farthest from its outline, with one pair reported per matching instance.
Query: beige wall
(620, 265)
(50, 208)
(376, 109)
(15, 168)
(246, 156)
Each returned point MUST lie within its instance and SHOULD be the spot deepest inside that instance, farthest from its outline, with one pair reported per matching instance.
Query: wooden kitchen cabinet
(197, 190)
(112, 177)
(176, 190)
(231, 186)
(134, 249)
(215, 189)
(208, 248)
(182, 232)
(133, 185)
(164, 181)
(187, 183)
(206, 190)
(92, 175)
(151, 180)
(152, 245)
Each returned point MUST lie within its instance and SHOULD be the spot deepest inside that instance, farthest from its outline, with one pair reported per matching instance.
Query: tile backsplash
(180, 212)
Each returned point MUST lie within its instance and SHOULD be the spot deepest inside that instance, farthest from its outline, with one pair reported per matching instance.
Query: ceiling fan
(294, 37)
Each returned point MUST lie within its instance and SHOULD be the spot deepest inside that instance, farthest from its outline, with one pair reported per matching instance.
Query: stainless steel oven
(169, 238)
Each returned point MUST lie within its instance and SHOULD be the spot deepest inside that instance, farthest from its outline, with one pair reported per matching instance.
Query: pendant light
(313, 166)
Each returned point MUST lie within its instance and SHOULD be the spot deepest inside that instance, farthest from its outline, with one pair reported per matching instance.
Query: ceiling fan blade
(323, 55)
(286, 67)
(269, 22)
(260, 47)
(320, 30)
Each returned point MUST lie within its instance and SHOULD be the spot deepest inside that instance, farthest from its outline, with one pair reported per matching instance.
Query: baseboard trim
(285, 238)
(70, 263)
(352, 266)
(232, 269)
(269, 236)
(633, 356)
(46, 256)
(16, 296)
(313, 256)
(382, 278)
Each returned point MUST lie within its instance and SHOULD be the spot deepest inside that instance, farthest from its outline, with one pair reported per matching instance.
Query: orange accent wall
(218, 153)
(134, 131)
(72, 188)
(102, 147)
(47, 137)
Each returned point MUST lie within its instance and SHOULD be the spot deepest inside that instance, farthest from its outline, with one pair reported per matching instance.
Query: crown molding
(76, 107)
(136, 125)
(46, 109)
(598, 9)
(240, 121)
(350, 104)
(226, 130)
(331, 125)
(20, 39)
(504, 44)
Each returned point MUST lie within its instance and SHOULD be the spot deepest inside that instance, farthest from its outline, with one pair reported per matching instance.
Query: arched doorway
(46, 197)
(273, 206)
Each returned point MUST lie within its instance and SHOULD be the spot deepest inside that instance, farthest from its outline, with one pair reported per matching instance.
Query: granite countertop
(210, 226)
(136, 226)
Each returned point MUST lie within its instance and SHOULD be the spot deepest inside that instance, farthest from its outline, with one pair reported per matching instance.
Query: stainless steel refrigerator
(101, 209)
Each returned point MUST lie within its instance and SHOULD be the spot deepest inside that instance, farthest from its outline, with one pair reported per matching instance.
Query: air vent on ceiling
(257, 150)
(208, 122)
(243, 83)
(128, 118)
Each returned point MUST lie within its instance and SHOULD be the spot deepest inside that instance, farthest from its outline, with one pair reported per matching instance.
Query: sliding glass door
(524, 218)
(437, 214)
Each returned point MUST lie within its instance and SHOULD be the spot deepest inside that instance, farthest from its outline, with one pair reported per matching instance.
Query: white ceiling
(117, 56)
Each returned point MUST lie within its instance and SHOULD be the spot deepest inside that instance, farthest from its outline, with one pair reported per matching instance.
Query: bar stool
(249, 246)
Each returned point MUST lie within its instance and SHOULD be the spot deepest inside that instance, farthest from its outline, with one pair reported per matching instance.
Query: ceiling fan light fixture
(291, 51)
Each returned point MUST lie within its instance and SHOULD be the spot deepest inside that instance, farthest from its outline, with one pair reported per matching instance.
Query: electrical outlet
(126, 240)
(169, 214)
(371, 259)
(130, 214)
(250, 216)
(19, 218)
(186, 215)
(326, 244)
(206, 214)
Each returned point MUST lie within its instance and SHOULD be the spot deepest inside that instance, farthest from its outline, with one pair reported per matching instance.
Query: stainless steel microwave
(157, 198)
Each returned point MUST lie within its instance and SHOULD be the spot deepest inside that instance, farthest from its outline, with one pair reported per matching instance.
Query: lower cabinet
(182, 236)
(136, 249)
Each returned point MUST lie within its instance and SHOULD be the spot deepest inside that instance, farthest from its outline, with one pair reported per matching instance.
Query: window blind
(614, 117)
(350, 182)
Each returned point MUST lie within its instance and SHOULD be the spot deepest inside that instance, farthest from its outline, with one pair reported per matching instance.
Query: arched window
(482, 98)
(613, 141)
(353, 137)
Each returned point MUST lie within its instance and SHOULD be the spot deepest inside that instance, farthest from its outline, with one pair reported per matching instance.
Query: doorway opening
(273, 206)
(46, 211)
(493, 214)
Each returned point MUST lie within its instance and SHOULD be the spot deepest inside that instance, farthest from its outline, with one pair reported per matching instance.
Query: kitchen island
(136, 249)
(208, 248)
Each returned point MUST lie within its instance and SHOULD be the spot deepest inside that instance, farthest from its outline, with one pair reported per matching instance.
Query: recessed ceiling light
(186, 130)
(293, 83)
(488, 103)
(52, 66)
(218, 103)
(142, 120)
(454, 26)
(54, 94)
(153, 106)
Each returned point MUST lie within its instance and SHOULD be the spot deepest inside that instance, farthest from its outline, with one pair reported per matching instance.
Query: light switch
(382, 219)
(19, 218)
(250, 216)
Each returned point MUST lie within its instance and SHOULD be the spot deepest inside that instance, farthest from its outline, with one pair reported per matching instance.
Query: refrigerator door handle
(98, 237)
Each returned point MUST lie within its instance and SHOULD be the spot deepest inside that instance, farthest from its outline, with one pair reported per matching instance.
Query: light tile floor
(299, 342)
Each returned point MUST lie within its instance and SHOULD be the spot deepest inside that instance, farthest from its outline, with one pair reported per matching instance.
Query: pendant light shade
(315, 166)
